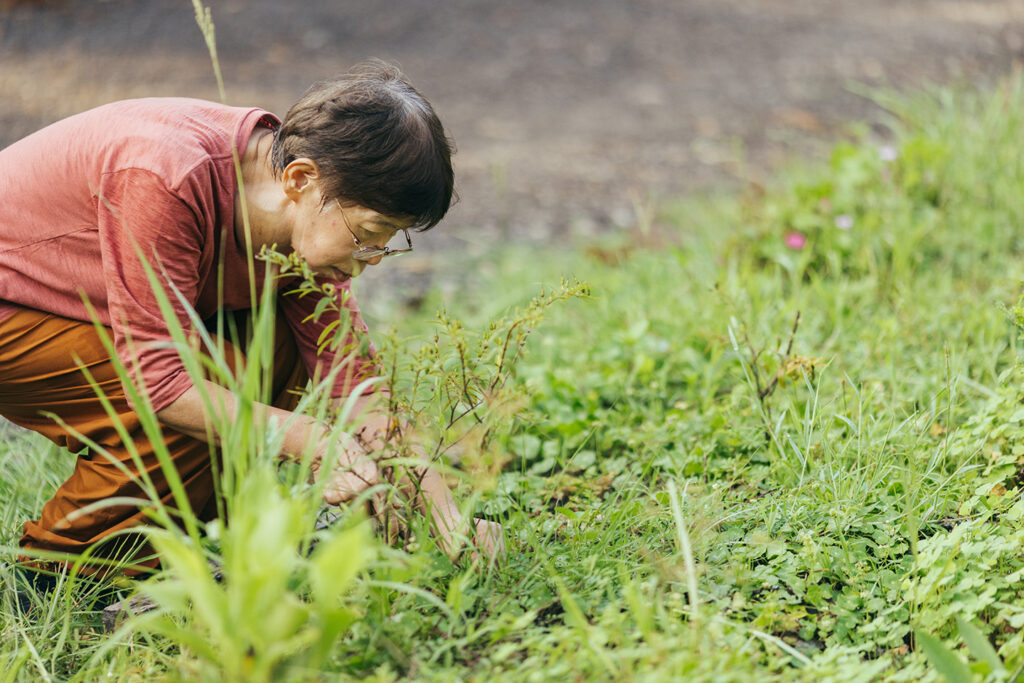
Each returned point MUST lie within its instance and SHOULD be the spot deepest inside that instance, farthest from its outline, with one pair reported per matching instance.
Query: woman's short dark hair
(376, 141)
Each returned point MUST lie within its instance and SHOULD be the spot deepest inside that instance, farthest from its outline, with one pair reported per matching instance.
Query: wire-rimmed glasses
(369, 253)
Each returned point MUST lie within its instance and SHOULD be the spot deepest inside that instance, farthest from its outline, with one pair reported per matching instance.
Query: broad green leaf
(978, 644)
(336, 561)
(945, 661)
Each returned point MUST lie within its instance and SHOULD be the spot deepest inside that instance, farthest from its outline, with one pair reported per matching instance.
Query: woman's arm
(188, 414)
(355, 471)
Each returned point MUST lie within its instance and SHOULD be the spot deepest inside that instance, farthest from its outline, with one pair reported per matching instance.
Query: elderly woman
(89, 201)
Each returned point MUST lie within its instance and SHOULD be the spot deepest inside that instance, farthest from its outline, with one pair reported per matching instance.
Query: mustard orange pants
(39, 373)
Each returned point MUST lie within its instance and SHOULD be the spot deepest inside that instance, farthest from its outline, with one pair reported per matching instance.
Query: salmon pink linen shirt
(80, 199)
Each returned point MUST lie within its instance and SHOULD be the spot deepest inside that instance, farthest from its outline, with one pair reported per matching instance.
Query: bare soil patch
(565, 113)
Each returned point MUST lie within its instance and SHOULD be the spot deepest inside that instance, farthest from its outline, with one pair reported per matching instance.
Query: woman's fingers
(348, 481)
(490, 539)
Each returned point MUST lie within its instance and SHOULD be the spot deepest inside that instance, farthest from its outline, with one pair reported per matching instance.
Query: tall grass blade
(945, 661)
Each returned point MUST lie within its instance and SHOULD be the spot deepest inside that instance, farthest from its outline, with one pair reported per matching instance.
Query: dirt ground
(566, 113)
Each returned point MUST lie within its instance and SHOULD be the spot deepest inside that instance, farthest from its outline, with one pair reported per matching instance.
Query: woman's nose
(373, 261)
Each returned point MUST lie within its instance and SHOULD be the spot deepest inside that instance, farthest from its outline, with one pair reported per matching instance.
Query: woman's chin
(333, 274)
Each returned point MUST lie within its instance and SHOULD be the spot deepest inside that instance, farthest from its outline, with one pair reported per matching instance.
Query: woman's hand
(355, 471)
(422, 485)
(489, 538)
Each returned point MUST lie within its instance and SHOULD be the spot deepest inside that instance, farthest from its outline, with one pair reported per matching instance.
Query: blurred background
(572, 118)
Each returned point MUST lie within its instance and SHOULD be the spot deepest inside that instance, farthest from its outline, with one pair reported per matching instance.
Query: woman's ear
(299, 176)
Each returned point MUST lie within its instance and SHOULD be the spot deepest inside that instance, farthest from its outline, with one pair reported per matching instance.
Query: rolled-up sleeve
(353, 359)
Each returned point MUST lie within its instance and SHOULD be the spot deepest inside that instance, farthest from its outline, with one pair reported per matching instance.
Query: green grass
(839, 494)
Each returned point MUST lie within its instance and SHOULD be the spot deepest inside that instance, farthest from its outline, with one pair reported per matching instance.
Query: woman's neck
(258, 189)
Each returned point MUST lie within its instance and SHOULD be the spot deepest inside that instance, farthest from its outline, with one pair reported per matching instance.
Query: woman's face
(328, 235)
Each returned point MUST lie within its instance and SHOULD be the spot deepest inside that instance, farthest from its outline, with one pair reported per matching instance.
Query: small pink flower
(887, 153)
(795, 240)
(844, 221)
